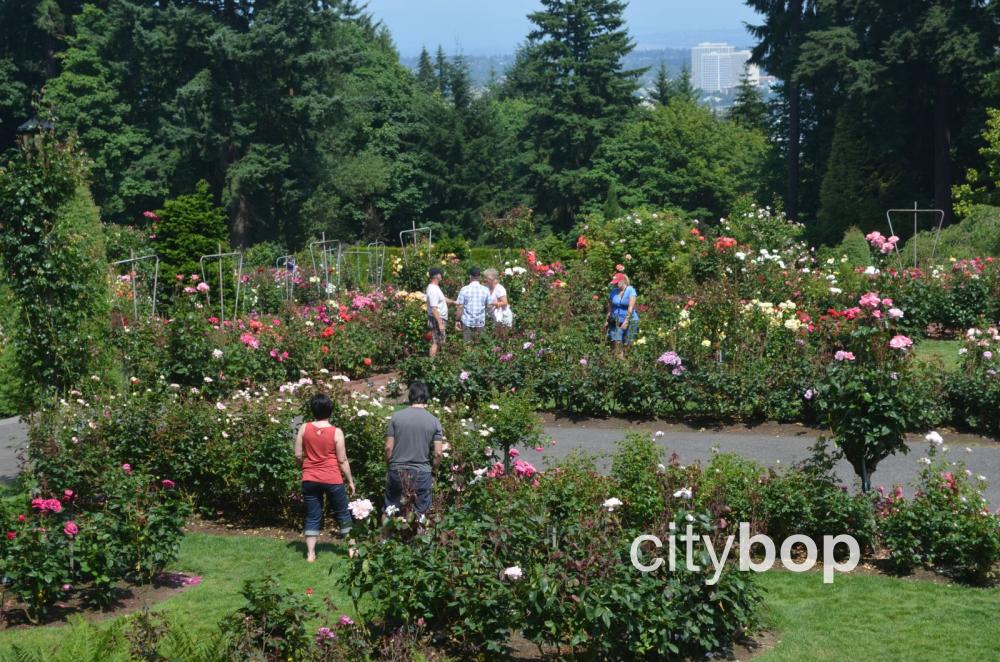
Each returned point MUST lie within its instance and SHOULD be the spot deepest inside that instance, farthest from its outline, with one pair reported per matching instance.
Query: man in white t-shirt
(437, 311)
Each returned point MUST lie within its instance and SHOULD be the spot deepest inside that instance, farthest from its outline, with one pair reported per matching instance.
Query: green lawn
(225, 562)
(940, 353)
(856, 618)
(879, 618)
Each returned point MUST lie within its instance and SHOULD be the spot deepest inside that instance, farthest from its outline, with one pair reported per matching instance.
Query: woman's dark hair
(321, 407)
(419, 394)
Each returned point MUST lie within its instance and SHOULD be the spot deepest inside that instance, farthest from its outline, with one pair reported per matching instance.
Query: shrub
(634, 468)
(947, 524)
(476, 570)
(190, 226)
(89, 539)
(54, 261)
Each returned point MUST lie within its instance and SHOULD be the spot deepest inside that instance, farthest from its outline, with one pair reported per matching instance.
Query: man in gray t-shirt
(408, 439)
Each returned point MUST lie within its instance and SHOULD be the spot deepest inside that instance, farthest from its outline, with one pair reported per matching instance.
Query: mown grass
(879, 618)
(942, 354)
(224, 563)
(856, 618)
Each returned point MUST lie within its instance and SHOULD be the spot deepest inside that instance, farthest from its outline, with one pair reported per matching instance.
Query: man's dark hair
(474, 272)
(321, 407)
(434, 272)
(419, 394)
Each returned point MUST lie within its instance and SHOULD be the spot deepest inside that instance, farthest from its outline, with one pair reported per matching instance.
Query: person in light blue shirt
(471, 307)
(622, 323)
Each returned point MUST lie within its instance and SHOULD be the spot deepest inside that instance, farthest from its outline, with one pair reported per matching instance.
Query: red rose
(20, 518)
(367, 362)
(11, 535)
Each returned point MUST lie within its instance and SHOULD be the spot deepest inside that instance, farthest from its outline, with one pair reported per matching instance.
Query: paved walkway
(772, 445)
(13, 435)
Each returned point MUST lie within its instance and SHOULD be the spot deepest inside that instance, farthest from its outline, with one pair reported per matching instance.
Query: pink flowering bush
(871, 393)
(90, 539)
(946, 523)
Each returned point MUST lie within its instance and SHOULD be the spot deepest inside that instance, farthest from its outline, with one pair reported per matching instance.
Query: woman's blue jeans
(336, 496)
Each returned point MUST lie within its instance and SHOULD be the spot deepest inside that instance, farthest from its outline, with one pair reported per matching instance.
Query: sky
(496, 27)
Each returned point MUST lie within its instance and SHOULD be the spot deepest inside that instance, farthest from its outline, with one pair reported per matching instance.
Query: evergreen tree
(426, 77)
(580, 95)
(460, 83)
(779, 40)
(682, 88)
(662, 88)
(749, 108)
(611, 207)
(854, 191)
(442, 70)
(87, 101)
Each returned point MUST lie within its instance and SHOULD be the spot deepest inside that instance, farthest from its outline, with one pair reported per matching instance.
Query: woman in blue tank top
(623, 321)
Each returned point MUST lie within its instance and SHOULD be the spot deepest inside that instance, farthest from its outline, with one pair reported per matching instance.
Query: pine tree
(426, 78)
(749, 108)
(612, 209)
(443, 71)
(682, 88)
(460, 83)
(580, 95)
(853, 192)
(661, 86)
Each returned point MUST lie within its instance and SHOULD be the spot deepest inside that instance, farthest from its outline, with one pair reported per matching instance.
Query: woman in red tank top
(320, 449)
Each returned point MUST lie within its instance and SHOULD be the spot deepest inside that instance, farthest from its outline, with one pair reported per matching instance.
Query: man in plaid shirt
(471, 307)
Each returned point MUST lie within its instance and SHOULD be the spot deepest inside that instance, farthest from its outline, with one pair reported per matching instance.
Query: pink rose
(127, 468)
(71, 529)
(900, 342)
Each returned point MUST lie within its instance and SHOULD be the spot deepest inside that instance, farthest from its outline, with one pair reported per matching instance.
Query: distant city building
(718, 67)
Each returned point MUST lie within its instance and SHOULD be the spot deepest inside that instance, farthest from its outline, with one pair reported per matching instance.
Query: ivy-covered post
(54, 260)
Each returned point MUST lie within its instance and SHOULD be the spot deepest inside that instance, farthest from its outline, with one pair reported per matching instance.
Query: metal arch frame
(915, 211)
(323, 283)
(352, 254)
(156, 280)
(282, 263)
(416, 232)
(376, 268)
(239, 281)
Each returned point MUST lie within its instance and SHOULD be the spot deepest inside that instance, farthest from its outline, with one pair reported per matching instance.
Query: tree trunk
(942, 148)
(241, 221)
(794, 148)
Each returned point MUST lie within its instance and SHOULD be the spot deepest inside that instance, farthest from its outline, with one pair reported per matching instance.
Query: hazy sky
(491, 27)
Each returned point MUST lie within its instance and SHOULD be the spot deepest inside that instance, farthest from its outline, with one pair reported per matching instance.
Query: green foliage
(634, 468)
(681, 156)
(86, 541)
(54, 262)
(749, 109)
(977, 235)
(946, 525)
(475, 571)
(855, 190)
(572, 74)
(982, 188)
(761, 227)
(190, 226)
(855, 247)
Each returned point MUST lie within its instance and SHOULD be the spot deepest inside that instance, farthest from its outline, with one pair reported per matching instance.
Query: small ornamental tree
(55, 263)
(870, 393)
(190, 226)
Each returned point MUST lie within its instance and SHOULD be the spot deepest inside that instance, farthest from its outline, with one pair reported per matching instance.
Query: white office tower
(717, 67)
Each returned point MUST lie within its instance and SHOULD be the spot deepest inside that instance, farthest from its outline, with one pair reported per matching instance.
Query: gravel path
(13, 434)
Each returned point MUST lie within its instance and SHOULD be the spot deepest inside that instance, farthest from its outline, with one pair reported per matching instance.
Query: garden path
(770, 444)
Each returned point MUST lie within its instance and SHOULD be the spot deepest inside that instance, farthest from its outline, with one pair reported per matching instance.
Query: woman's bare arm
(345, 464)
(298, 443)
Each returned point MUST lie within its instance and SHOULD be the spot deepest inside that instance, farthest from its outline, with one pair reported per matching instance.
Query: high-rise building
(718, 67)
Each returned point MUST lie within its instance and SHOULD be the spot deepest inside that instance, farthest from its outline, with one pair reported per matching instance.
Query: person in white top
(437, 311)
(498, 304)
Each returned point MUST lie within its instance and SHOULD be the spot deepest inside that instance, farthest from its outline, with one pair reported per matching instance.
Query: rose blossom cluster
(885, 245)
